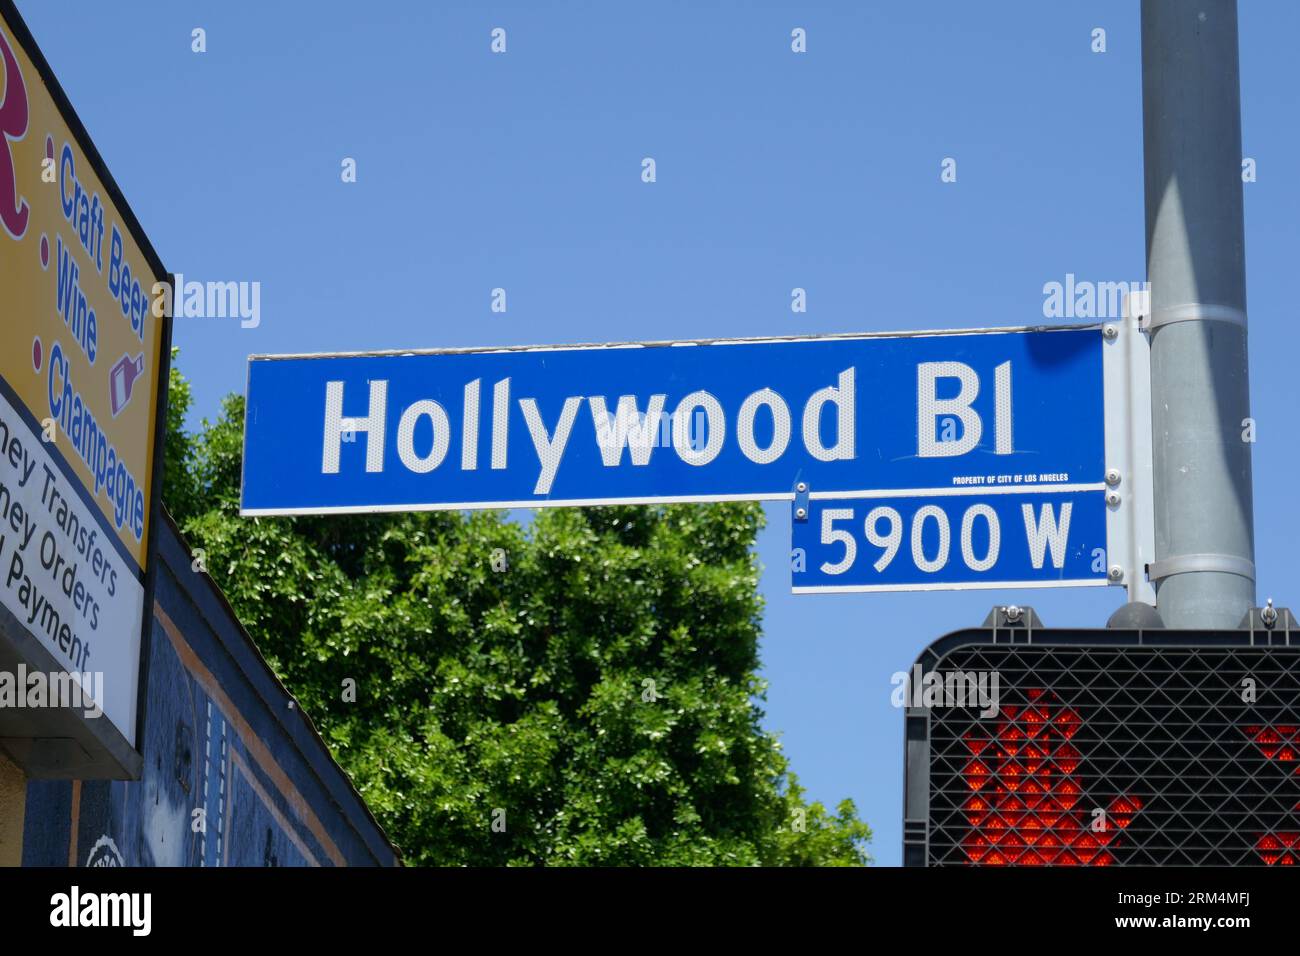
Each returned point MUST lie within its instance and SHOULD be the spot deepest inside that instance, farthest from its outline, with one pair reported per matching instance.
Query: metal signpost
(1191, 112)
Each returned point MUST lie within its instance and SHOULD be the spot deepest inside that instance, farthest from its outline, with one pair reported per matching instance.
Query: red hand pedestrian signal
(1024, 806)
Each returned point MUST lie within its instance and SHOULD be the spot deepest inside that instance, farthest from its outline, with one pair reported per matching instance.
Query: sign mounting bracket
(1130, 515)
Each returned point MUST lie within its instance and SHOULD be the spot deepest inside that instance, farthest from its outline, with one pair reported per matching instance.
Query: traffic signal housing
(1029, 746)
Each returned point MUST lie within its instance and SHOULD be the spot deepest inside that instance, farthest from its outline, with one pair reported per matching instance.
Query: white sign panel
(63, 577)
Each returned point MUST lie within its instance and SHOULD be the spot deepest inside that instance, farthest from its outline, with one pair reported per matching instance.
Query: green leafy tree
(581, 691)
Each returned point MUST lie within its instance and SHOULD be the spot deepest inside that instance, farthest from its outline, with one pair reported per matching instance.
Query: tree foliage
(579, 691)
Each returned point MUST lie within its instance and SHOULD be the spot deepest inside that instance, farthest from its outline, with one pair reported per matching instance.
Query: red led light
(1035, 721)
(1277, 848)
(1275, 743)
(977, 774)
(976, 810)
(1067, 758)
(1033, 793)
(1067, 722)
(1268, 741)
(976, 846)
(1029, 767)
(1122, 809)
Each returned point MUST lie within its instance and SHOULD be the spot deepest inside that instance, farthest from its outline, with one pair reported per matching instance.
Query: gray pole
(1191, 118)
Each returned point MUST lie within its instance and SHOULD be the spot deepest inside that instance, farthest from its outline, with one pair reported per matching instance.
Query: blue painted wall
(234, 773)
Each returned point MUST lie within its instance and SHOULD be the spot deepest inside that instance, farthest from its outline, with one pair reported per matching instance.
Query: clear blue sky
(775, 170)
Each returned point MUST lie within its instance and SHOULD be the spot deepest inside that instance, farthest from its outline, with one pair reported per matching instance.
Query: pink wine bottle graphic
(121, 380)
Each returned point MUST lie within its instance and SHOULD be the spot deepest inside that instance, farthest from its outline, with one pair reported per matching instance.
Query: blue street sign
(1002, 536)
(747, 419)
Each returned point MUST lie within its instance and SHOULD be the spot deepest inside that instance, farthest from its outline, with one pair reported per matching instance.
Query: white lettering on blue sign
(638, 432)
(705, 421)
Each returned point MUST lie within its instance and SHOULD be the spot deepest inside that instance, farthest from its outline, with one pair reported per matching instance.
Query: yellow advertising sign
(79, 343)
(81, 364)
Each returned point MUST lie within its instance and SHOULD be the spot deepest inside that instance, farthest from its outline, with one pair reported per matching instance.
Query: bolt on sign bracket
(801, 491)
(1130, 513)
(1270, 625)
(1020, 621)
